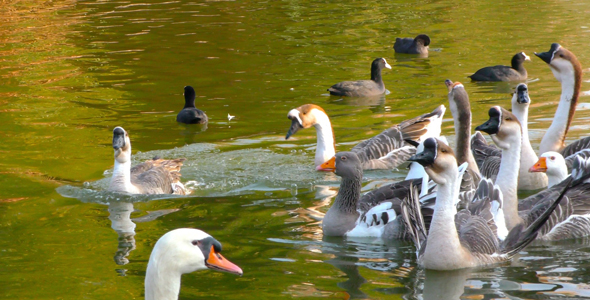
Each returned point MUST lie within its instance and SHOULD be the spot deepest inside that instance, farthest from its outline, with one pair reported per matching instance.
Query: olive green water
(71, 71)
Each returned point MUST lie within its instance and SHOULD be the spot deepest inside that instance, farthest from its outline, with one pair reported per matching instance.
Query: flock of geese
(459, 206)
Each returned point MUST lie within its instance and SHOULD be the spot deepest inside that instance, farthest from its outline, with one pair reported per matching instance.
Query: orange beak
(329, 166)
(217, 262)
(540, 166)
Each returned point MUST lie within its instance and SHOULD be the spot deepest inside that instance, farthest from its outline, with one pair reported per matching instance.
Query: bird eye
(508, 119)
(443, 150)
(552, 157)
(561, 55)
(343, 158)
(195, 242)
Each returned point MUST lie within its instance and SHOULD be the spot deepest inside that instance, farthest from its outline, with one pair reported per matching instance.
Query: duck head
(503, 127)
(438, 160)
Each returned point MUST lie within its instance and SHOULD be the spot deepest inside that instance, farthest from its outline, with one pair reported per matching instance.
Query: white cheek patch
(386, 64)
(294, 113)
(457, 85)
(526, 57)
(553, 54)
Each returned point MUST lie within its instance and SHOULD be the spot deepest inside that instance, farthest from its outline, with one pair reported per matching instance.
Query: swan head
(563, 63)
(438, 159)
(304, 116)
(187, 250)
(347, 165)
(503, 127)
(121, 145)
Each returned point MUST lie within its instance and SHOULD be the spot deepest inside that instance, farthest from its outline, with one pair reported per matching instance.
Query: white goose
(571, 219)
(157, 176)
(178, 252)
(467, 238)
(384, 151)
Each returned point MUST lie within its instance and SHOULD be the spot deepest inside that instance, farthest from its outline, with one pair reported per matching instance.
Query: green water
(72, 71)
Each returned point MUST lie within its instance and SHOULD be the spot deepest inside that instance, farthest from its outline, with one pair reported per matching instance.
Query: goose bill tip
(328, 166)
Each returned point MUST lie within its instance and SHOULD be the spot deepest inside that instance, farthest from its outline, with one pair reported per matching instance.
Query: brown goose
(181, 251)
(568, 71)
(384, 151)
(464, 239)
(157, 176)
(571, 219)
(488, 157)
(363, 88)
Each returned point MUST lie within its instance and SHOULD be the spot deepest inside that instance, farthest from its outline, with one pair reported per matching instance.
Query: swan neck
(160, 283)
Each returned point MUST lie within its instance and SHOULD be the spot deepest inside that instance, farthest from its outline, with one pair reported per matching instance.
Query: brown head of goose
(571, 218)
(181, 251)
(464, 239)
(387, 150)
(156, 176)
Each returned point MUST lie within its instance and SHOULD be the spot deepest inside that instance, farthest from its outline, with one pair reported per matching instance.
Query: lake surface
(73, 70)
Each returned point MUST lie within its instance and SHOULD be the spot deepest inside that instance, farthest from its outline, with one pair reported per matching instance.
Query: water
(72, 71)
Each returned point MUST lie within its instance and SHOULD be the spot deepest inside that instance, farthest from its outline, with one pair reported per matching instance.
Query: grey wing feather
(413, 220)
(486, 156)
(576, 146)
(157, 176)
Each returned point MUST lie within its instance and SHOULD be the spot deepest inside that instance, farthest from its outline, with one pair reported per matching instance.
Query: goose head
(520, 97)
(549, 162)
(186, 250)
(122, 145)
(189, 96)
(304, 116)
(459, 100)
(438, 159)
(563, 63)
(348, 165)
(503, 127)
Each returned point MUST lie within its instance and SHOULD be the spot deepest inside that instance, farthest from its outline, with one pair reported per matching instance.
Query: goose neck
(554, 138)
(325, 139)
(507, 180)
(121, 179)
(349, 194)
(462, 122)
(556, 176)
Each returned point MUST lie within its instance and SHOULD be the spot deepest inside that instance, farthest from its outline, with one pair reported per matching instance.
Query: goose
(489, 156)
(516, 72)
(556, 166)
(363, 88)
(349, 217)
(568, 71)
(417, 45)
(156, 176)
(572, 216)
(384, 151)
(190, 114)
(463, 239)
(181, 251)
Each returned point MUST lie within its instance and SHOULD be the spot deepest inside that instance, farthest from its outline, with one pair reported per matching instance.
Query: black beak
(425, 158)
(118, 138)
(548, 56)
(522, 94)
(295, 126)
(491, 126)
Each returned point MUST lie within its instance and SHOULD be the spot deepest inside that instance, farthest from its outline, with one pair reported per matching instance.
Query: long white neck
(507, 180)
(161, 283)
(555, 135)
(325, 138)
(121, 180)
(528, 156)
(443, 248)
